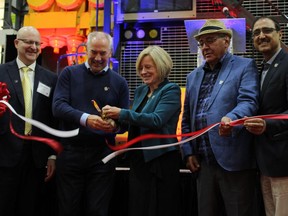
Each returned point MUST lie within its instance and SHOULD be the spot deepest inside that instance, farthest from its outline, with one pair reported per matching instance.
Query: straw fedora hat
(213, 26)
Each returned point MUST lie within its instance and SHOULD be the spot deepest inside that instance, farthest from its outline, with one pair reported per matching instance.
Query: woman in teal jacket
(154, 174)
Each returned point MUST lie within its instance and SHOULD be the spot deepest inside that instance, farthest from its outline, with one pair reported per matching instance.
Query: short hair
(276, 23)
(161, 59)
(98, 34)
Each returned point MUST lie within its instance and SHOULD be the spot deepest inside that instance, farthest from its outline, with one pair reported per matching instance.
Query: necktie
(265, 69)
(27, 92)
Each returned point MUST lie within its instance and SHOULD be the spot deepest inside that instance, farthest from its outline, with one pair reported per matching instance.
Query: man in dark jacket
(23, 163)
(271, 144)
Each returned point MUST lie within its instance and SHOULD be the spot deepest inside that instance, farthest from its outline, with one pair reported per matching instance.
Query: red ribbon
(5, 95)
(159, 136)
(195, 133)
(270, 116)
(50, 142)
(4, 92)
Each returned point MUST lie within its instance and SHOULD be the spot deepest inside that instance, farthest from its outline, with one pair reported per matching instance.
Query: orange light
(40, 5)
(56, 50)
(44, 42)
(92, 3)
(57, 42)
(69, 4)
(73, 41)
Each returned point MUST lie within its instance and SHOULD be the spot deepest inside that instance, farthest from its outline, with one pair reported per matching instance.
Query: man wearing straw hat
(223, 89)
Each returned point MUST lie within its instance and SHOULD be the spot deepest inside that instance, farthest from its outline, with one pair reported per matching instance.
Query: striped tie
(27, 92)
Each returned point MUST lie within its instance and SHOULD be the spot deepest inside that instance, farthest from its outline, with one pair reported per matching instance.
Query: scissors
(98, 109)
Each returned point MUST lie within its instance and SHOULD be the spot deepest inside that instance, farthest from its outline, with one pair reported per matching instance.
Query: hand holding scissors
(103, 115)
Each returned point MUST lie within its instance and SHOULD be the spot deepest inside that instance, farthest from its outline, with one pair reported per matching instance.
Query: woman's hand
(111, 112)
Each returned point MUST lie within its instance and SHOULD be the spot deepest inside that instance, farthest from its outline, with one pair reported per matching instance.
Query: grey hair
(97, 34)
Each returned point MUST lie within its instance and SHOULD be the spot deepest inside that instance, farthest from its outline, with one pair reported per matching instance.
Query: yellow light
(153, 33)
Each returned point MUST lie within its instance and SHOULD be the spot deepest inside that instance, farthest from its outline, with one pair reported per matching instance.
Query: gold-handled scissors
(98, 109)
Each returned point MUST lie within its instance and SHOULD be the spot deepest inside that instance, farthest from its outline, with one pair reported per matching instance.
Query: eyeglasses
(264, 30)
(207, 41)
(30, 42)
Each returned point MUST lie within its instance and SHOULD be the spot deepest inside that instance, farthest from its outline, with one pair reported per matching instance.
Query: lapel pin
(221, 82)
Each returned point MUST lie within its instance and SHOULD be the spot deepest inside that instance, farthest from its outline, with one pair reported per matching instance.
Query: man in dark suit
(25, 165)
(223, 89)
(271, 144)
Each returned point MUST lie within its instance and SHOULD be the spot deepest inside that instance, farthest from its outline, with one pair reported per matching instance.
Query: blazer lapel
(140, 98)
(197, 85)
(271, 72)
(225, 70)
(15, 78)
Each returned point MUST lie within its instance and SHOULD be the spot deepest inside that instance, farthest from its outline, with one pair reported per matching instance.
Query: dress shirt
(31, 72)
(266, 66)
(208, 82)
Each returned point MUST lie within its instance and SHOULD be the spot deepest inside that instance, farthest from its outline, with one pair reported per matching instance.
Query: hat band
(210, 28)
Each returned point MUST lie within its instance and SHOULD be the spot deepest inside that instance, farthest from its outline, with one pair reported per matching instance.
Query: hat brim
(222, 31)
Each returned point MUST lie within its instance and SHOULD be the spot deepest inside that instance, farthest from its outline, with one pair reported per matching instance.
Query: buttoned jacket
(272, 146)
(11, 146)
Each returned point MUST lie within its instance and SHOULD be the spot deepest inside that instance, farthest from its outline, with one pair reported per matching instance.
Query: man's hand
(51, 167)
(225, 129)
(192, 163)
(255, 126)
(96, 122)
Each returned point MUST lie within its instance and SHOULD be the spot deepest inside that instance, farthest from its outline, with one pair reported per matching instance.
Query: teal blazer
(159, 116)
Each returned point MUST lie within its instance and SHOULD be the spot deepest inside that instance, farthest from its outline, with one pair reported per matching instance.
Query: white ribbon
(58, 133)
(116, 153)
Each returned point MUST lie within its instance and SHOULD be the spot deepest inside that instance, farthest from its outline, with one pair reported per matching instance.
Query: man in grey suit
(25, 165)
(271, 144)
(223, 89)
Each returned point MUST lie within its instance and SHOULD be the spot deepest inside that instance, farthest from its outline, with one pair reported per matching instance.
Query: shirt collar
(206, 66)
(99, 73)
(21, 64)
(270, 61)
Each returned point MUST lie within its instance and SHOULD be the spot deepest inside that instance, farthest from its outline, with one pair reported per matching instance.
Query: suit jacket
(235, 95)
(272, 146)
(10, 145)
(159, 116)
